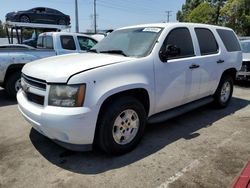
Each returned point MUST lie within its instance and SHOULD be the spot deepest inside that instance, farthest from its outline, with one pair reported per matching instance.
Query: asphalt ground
(204, 148)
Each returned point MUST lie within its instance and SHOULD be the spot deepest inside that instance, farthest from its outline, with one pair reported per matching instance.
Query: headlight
(67, 95)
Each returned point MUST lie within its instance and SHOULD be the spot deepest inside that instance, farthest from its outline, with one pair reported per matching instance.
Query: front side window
(68, 42)
(207, 42)
(133, 42)
(85, 43)
(180, 40)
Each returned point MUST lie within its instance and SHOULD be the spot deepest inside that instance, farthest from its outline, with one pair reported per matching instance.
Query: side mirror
(169, 52)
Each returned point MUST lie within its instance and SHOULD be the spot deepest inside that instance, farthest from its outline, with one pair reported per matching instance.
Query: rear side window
(68, 42)
(207, 42)
(45, 42)
(229, 39)
(48, 42)
(180, 38)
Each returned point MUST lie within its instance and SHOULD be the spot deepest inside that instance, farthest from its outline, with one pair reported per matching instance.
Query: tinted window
(207, 41)
(229, 39)
(85, 43)
(68, 42)
(181, 39)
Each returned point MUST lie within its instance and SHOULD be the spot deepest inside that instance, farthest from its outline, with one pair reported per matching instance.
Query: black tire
(62, 22)
(105, 125)
(11, 84)
(218, 101)
(24, 19)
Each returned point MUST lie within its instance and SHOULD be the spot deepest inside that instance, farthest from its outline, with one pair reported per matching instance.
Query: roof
(180, 24)
(66, 33)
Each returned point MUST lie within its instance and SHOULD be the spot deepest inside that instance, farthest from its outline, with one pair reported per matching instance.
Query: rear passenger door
(210, 60)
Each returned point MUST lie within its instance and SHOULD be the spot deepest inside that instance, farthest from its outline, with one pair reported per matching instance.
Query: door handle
(220, 61)
(194, 66)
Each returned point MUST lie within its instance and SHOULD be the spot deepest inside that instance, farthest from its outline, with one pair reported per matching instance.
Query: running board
(169, 114)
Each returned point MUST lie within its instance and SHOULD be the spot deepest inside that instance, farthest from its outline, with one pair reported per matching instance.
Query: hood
(59, 68)
(246, 56)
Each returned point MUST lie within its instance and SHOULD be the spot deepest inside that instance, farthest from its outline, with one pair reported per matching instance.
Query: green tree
(204, 13)
(236, 15)
(187, 8)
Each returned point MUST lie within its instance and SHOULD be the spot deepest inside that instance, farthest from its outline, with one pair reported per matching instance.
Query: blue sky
(111, 14)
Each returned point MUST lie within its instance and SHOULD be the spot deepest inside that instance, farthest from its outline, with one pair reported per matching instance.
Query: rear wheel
(24, 19)
(13, 84)
(121, 126)
(224, 91)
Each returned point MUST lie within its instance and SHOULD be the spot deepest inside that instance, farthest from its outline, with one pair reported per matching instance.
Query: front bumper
(72, 128)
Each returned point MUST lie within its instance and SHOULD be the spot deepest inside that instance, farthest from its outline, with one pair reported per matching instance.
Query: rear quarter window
(229, 39)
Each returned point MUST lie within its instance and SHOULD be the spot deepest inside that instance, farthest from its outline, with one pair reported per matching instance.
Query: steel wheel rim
(125, 127)
(25, 19)
(225, 92)
(18, 85)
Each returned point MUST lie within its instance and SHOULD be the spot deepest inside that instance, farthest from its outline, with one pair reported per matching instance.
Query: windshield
(245, 46)
(135, 42)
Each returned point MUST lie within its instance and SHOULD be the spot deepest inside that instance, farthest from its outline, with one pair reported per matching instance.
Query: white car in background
(244, 73)
(14, 57)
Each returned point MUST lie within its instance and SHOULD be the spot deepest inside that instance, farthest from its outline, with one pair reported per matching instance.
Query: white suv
(139, 74)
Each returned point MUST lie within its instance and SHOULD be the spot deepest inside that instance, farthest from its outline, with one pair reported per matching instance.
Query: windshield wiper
(115, 52)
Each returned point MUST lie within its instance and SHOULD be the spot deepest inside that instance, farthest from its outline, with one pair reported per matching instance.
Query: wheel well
(12, 69)
(139, 94)
(232, 72)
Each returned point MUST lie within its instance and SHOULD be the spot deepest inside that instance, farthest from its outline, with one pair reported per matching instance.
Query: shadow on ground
(5, 100)
(156, 137)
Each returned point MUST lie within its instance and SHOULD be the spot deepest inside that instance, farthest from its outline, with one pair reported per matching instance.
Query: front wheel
(121, 126)
(224, 92)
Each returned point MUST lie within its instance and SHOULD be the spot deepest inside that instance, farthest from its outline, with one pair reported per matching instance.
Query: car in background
(39, 15)
(244, 73)
(14, 57)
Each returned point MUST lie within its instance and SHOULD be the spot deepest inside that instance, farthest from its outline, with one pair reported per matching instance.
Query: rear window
(229, 39)
(207, 42)
(45, 42)
(68, 42)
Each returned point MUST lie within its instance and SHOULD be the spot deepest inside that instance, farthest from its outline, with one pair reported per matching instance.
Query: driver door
(177, 78)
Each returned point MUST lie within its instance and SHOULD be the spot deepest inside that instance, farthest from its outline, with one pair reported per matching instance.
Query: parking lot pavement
(203, 148)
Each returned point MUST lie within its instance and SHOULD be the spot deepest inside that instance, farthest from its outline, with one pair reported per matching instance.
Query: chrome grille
(37, 83)
(34, 89)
